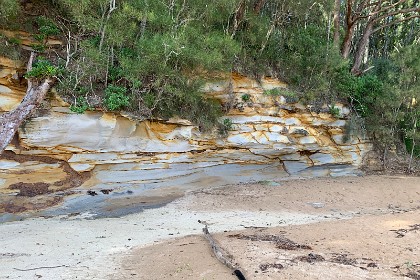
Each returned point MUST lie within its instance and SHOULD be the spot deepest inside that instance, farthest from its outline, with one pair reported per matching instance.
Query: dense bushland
(149, 58)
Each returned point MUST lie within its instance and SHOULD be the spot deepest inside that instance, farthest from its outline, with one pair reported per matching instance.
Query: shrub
(245, 97)
(80, 106)
(38, 47)
(290, 96)
(334, 111)
(116, 98)
(10, 47)
(224, 127)
(46, 27)
(274, 91)
(9, 9)
(42, 68)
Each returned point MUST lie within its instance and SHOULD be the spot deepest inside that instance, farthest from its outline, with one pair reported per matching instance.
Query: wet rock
(30, 189)
(317, 204)
(92, 193)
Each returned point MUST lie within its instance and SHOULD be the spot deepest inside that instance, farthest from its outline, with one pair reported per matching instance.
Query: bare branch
(403, 11)
(379, 10)
(393, 5)
(395, 22)
(362, 6)
(239, 14)
(221, 254)
(29, 67)
(112, 7)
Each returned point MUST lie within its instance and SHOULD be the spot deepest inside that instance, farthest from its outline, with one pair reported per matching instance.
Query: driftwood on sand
(221, 254)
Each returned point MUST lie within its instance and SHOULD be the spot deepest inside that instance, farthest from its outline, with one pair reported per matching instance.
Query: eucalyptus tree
(371, 17)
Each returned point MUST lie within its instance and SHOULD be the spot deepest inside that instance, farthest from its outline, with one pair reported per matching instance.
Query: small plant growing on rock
(40, 48)
(274, 91)
(46, 28)
(225, 126)
(334, 111)
(290, 96)
(10, 47)
(15, 41)
(246, 97)
(80, 106)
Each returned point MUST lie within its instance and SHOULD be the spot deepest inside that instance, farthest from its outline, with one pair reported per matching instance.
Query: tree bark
(371, 13)
(239, 15)
(361, 48)
(336, 20)
(258, 5)
(221, 254)
(348, 37)
(346, 47)
(10, 121)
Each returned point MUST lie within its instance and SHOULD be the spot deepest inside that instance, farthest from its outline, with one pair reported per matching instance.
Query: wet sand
(352, 223)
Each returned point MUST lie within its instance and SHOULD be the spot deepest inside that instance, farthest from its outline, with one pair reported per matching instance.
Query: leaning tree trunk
(361, 49)
(10, 121)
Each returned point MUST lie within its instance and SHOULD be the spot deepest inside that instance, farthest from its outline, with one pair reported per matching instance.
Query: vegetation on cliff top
(142, 56)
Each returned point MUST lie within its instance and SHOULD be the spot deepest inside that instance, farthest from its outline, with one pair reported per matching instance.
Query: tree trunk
(345, 49)
(361, 48)
(336, 21)
(413, 145)
(258, 5)
(348, 37)
(239, 15)
(10, 121)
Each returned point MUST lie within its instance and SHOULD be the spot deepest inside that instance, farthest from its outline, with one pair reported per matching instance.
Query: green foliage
(355, 127)
(148, 57)
(15, 41)
(181, 97)
(9, 9)
(38, 47)
(334, 111)
(80, 105)
(42, 68)
(246, 97)
(10, 47)
(313, 66)
(116, 98)
(274, 92)
(411, 145)
(46, 27)
(290, 96)
(386, 99)
(224, 127)
(151, 50)
(39, 37)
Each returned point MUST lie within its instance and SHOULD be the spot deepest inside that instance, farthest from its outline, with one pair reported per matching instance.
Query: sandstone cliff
(269, 138)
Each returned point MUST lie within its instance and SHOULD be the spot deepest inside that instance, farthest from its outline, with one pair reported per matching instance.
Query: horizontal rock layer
(269, 139)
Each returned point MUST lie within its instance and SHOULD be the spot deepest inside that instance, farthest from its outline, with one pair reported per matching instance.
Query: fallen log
(35, 93)
(221, 254)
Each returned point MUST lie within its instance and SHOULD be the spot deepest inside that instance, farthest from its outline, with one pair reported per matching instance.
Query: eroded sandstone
(270, 138)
